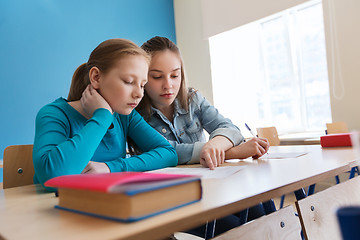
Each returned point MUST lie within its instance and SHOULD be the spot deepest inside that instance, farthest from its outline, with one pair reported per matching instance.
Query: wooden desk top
(307, 138)
(28, 212)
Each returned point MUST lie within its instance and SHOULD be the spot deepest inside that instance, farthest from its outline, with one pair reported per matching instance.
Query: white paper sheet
(219, 172)
(283, 155)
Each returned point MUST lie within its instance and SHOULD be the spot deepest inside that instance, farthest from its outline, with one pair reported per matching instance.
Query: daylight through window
(274, 71)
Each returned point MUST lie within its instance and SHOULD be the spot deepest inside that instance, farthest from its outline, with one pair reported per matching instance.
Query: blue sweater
(65, 141)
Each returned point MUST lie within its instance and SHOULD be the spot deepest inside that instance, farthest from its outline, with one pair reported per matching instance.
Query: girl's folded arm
(55, 153)
(157, 151)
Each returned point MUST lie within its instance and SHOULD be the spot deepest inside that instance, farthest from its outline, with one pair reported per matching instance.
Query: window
(274, 71)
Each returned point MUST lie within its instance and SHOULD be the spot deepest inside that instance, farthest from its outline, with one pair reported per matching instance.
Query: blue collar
(177, 110)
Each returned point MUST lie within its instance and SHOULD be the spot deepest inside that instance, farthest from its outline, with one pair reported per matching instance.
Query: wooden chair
(282, 224)
(317, 212)
(336, 127)
(270, 133)
(18, 166)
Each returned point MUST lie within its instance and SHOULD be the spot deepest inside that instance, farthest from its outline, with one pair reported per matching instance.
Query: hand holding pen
(255, 148)
(264, 143)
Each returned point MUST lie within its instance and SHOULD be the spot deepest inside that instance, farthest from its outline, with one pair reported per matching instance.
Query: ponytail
(80, 81)
(104, 57)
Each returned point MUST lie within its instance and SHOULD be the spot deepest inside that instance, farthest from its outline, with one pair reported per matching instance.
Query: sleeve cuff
(195, 158)
(116, 166)
(103, 117)
(233, 135)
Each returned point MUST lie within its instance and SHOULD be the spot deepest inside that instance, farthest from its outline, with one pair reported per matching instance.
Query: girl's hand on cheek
(92, 100)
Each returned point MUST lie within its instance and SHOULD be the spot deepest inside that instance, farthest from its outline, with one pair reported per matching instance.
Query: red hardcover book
(336, 140)
(125, 196)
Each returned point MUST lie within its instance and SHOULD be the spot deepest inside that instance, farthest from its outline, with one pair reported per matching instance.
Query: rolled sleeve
(232, 134)
(188, 153)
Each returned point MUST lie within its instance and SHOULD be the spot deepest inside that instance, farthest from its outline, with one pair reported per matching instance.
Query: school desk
(305, 138)
(28, 212)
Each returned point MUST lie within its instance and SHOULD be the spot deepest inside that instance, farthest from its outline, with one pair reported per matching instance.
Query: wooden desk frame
(32, 209)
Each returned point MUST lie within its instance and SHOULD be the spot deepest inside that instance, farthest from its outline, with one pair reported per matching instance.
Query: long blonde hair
(155, 45)
(104, 57)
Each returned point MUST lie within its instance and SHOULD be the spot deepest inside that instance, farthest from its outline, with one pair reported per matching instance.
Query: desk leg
(311, 190)
(352, 172)
(210, 229)
(282, 200)
(243, 215)
(300, 194)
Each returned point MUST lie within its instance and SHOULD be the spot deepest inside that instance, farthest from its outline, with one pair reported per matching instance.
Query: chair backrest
(282, 224)
(270, 133)
(317, 212)
(18, 166)
(337, 127)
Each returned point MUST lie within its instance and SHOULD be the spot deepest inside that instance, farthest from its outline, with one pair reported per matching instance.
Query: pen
(251, 131)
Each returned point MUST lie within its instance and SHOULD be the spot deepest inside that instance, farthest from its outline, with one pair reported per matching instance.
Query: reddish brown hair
(104, 58)
(153, 46)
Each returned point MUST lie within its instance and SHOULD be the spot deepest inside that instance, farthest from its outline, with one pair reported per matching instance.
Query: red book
(125, 196)
(336, 140)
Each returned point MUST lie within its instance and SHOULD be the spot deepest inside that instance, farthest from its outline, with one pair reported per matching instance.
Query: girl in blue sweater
(87, 132)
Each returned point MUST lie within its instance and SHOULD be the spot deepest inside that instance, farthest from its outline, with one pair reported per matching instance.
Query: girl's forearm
(221, 142)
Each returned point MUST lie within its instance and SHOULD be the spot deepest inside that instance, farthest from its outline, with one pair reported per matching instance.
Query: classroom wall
(196, 20)
(42, 42)
(219, 16)
(342, 31)
(209, 17)
(193, 46)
